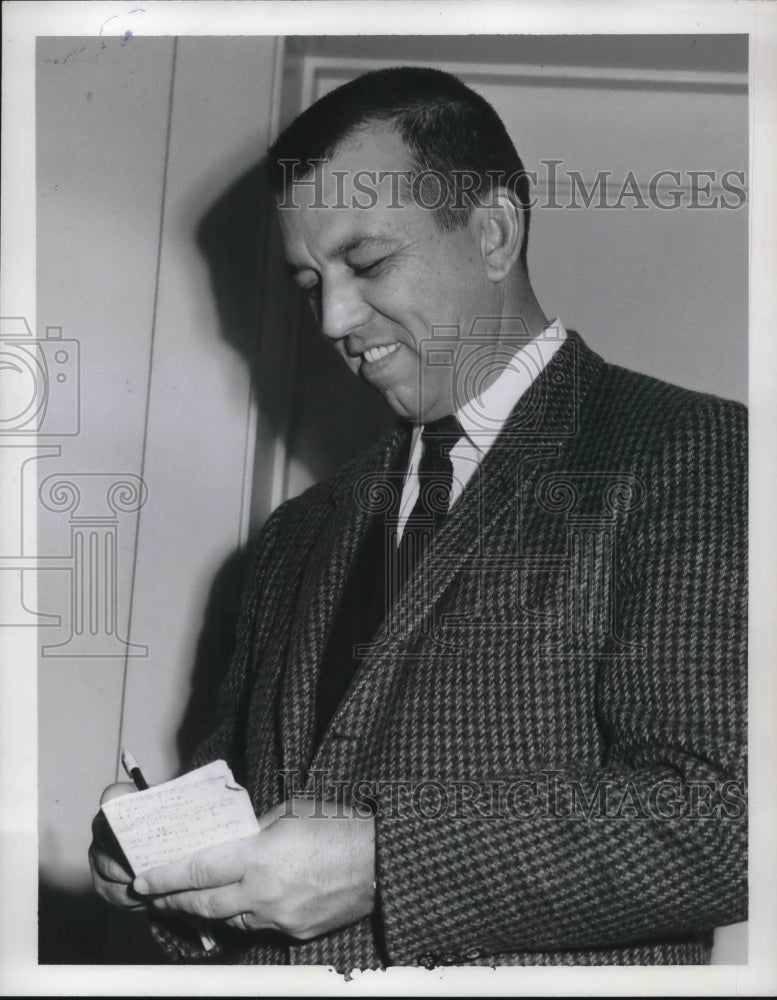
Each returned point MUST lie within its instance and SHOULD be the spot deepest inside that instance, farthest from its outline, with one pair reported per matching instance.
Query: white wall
(136, 140)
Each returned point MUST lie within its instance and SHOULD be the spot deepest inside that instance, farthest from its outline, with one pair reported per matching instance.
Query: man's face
(381, 278)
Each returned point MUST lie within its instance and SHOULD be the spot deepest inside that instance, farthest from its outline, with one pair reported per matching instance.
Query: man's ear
(500, 229)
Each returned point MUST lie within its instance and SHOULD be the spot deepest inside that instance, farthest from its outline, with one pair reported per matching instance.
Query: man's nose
(343, 308)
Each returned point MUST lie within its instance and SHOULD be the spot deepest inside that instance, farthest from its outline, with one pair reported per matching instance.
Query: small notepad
(172, 821)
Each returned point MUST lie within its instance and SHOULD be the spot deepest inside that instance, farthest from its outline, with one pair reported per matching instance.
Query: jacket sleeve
(651, 843)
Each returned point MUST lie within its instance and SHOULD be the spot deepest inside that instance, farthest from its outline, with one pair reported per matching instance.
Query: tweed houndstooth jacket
(550, 724)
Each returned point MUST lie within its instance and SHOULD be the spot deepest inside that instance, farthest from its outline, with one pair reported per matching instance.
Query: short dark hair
(448, 129)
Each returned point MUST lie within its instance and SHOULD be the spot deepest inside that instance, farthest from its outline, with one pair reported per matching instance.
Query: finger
(117, 893)
(101, 830)
(104, 842)
(115, 790)
(209, 869)
(249, 922)
(210, 904)
(107, 867)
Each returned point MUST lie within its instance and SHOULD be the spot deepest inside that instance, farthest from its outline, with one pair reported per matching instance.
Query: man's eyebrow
(364, 243)
(349, 246)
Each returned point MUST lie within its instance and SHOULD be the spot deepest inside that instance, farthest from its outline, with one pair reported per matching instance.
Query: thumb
(101, 831)
(115, 790)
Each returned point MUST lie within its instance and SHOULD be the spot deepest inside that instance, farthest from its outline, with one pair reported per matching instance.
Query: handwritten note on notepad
(171, 821)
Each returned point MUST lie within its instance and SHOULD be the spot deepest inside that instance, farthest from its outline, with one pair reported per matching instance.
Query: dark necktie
(375, 578)
(363, 603)
(435, 480)
(373, 583)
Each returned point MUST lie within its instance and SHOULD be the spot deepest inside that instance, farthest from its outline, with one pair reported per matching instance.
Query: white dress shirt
(483, 417)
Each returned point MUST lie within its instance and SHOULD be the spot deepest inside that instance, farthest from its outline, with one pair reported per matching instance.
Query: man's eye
(362, 270)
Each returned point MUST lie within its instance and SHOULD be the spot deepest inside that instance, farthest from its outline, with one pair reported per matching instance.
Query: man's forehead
(375, 146)
(358, 200)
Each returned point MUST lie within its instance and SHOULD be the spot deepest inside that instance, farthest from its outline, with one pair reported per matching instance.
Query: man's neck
(521, 310)
(522, 322)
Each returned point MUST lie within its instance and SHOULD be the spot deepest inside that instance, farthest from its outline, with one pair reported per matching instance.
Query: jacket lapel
(482, 505)
(330, 562)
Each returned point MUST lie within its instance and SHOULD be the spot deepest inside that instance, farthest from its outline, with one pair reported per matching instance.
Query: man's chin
(411, 411)
(403, 406)
(402, 411)
(404, 401)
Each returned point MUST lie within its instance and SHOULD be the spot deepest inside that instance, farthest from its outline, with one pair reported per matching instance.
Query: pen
(132, 768)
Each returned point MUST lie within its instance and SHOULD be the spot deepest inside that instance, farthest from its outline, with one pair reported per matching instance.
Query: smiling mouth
(377, 353)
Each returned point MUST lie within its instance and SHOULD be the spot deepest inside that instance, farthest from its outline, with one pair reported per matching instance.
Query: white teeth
(376, 353)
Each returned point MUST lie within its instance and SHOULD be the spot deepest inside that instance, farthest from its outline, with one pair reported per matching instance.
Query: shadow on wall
(232, 236)
(303, 389)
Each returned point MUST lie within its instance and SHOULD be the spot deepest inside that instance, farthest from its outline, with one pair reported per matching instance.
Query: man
(489, 690)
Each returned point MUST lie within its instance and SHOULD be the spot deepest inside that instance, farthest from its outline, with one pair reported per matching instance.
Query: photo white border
(22, 22)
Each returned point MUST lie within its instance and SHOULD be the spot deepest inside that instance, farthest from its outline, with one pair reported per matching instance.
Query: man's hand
(310, 870)
(111, 876)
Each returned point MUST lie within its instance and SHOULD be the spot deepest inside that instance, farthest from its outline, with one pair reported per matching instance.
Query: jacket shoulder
(632, 406)
(648, 389)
